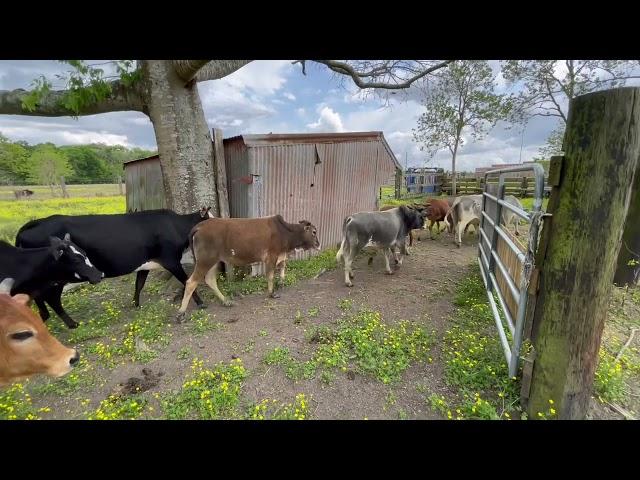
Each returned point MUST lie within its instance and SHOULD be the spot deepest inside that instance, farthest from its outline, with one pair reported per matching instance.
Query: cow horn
(6, 285)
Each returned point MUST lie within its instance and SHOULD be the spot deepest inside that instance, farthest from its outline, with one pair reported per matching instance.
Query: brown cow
(244, 241)
(26, 346)
(436, 212)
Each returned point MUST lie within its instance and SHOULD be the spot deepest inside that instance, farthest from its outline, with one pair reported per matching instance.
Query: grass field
(42, 192)
(15, 213)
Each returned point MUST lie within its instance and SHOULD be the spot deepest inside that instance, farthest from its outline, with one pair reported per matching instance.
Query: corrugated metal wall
(145, 190)
(322, 183)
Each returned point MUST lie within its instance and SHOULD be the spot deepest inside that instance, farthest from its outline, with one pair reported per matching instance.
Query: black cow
(121, 244)
(38, 270)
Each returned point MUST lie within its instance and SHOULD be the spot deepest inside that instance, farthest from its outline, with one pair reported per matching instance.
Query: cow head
(74, 260)
(26, 346)
(205, 212)
(310, 236)
(413, 218)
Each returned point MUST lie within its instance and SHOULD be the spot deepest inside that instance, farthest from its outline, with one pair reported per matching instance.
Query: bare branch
(396, 82)
(120, 99)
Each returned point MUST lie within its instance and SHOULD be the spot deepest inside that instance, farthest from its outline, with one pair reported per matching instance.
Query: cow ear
(57, 245)
(66, 239)
(22, 299)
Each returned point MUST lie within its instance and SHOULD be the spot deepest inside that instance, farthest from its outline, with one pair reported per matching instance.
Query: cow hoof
(202, 306)
(351, 275)
(349, 284)
(228, 303)
(388, 273)
(180, 317)
(274, 295)
(73, 325)
(458, 245)
(370, 261)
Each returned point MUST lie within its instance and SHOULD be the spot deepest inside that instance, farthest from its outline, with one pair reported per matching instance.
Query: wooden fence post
(602, 145)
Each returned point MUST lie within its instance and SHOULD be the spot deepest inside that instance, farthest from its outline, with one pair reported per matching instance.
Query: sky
(275, 97)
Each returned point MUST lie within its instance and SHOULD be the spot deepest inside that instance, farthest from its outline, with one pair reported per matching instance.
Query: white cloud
(61, 134)
(329, 121)
(81, 137)
(290, 96)
(301, 111)
(262, 77)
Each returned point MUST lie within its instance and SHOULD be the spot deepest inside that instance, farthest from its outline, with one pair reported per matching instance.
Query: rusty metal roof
(140, 159)
(301, 138)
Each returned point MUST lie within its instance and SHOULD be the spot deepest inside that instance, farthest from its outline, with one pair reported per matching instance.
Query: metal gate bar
(489, 261)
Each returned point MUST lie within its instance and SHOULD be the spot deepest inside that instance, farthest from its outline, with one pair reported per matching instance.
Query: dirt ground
(418, 291)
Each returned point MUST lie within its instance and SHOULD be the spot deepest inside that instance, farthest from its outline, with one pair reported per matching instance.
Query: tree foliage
(47, 164)
(547, 86)
(460, 102)
(92, 163)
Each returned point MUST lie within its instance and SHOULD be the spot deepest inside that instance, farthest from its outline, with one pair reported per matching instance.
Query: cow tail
(191, 235)
(345, 240)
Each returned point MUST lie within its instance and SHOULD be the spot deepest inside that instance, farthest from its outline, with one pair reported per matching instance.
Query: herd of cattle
(52, 252)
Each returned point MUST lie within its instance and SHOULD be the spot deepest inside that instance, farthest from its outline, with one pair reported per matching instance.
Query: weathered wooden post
(602, 145)
(399, 176)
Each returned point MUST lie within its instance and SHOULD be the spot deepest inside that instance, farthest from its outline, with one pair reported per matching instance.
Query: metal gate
(489, 256)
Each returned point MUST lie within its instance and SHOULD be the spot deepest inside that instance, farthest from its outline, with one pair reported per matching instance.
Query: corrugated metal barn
(321, 178)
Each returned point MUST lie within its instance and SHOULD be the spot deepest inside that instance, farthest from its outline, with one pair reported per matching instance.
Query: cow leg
(458, 230)
(387, 251)
(211, 278)
(178, 272)
(141, 278)
(348, 273)
(270, 267)
(42, 308)
(516, 223)
(431, 224)
(282, 271)
(54, 298)
(190, 285)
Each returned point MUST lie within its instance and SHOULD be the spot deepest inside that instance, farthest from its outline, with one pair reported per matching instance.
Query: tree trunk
(602, 146)
(627, 270)
(183, 137)
(63, 188)
(453, 170)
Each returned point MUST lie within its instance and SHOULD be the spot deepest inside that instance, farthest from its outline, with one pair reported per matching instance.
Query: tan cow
(26, 346)
(244, 241)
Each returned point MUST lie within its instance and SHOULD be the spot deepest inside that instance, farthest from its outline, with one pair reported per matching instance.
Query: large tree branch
(344, 68)
(121, 98)
(187, 69)
(203, 70)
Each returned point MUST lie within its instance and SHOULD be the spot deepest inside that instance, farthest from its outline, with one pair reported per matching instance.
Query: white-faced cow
(244, 241)
(26, 346)
(384, 230)
(38, 270)
(467, 210)
(118, 245)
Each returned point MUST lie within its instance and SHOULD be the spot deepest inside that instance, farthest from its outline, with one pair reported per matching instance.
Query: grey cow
(385, 230)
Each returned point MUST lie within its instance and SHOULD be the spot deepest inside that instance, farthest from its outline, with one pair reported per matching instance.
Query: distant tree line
(44, 164)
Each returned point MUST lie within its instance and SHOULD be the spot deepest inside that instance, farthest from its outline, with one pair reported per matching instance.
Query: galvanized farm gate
(496, 247)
